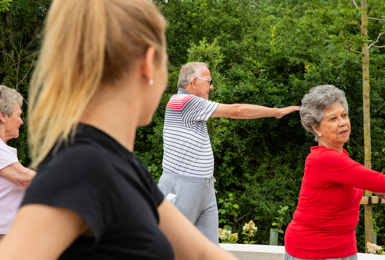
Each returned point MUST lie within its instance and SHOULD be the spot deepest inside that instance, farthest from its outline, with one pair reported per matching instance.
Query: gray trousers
(289, 257)
(195, 198)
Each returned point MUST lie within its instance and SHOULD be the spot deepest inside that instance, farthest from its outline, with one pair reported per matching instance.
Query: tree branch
(382, 20)
(347, 44)
(26, 73)
(8, 55)
(374, 43)
(237, 219)
(18, 66)
(33, 54)
(359, 26)
(354, 3)
(350, 49)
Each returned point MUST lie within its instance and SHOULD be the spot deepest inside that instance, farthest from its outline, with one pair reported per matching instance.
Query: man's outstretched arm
(246, 111)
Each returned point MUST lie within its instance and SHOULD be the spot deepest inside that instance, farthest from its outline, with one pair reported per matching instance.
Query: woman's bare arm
(187, 241)
(41, 232)
(18, 174)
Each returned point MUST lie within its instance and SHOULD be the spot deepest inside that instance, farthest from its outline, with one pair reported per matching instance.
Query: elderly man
(188, 161)
(14, 177)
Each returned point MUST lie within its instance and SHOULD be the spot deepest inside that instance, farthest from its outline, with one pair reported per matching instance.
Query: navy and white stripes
(187, 147)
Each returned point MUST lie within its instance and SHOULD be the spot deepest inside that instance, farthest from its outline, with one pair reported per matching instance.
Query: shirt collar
(183, 91)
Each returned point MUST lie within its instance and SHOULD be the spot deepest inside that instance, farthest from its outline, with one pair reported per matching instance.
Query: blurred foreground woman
(101, 74)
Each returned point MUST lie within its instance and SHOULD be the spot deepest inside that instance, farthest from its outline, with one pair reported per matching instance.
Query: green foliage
(4, 5)
(279, 221)
(375, 227)
(228, 209)
(210, 54)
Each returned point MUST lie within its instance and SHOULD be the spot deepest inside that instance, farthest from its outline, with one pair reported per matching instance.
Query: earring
(319, 134)
(151, 82)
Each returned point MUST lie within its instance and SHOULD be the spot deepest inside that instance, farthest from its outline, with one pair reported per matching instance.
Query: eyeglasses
(208, 80)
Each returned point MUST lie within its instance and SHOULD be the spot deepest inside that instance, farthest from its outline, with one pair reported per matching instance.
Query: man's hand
(286, 110)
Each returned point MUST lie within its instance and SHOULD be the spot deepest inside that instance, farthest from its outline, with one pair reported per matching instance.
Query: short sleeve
(77, 179)
(156, 193)
(198, 109)
(340, 168)
(8, 155)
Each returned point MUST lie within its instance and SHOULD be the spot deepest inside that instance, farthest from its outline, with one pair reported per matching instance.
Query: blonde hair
(86, 43)
(8, 98)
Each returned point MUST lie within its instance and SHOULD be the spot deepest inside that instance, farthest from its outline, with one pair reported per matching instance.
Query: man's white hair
(188, 71)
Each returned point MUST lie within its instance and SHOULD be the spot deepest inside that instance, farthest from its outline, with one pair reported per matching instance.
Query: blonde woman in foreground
(101, 74)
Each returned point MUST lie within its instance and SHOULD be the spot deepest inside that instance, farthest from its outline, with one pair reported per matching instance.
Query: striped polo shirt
(187, 146)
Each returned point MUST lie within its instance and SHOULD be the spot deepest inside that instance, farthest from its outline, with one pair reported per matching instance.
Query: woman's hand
(380, 195)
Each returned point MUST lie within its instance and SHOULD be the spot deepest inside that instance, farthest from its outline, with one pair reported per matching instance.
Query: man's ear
(148, 65)
(192, 82)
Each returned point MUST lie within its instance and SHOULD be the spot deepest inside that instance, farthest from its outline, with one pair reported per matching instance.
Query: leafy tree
(20, 22)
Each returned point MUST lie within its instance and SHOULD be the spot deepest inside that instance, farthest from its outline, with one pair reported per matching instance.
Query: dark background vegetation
(265, 52)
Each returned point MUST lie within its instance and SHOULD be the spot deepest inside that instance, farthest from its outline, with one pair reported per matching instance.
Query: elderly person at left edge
(14, 177)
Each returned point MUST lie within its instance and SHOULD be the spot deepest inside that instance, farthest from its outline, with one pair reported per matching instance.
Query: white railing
(264, 252)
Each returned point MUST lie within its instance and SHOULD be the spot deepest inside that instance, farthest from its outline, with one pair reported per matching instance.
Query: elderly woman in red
(333, 184)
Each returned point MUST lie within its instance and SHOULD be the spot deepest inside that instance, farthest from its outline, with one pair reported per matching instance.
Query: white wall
(264, 252)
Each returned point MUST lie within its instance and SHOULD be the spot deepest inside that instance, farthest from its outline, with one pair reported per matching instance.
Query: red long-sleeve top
(328, 206)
